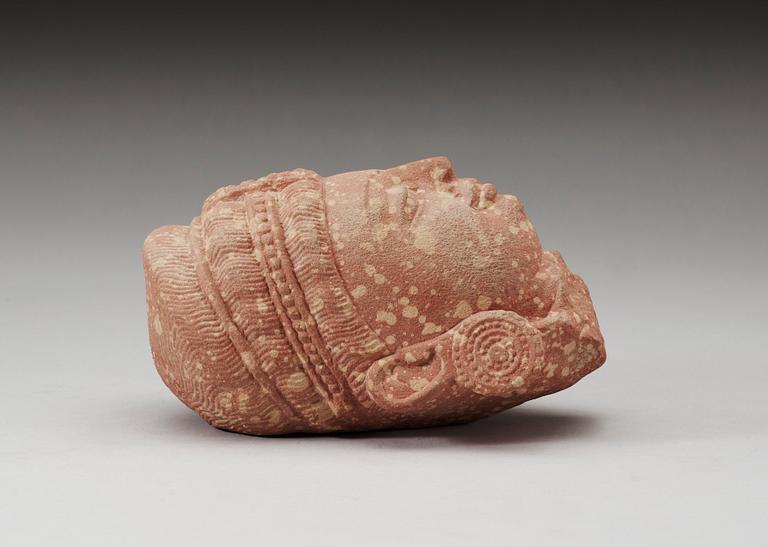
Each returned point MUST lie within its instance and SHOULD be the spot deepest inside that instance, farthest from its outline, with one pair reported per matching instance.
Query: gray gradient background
(638, 141)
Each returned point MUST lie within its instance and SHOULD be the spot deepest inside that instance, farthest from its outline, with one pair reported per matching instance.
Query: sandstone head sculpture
(403, 297)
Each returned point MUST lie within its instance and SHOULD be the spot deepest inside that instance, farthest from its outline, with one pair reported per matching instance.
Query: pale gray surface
(639, 152)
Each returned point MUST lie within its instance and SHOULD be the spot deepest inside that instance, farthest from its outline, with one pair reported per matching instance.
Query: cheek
(468, 247)
(494, 251)
(460, 228)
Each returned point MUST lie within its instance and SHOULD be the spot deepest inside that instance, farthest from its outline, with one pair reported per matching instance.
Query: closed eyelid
(402, 202)
(397, 196)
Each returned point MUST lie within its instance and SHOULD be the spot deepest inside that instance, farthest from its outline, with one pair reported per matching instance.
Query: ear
(490, 353)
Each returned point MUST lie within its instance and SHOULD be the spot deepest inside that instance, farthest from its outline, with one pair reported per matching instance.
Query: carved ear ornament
(491, 353)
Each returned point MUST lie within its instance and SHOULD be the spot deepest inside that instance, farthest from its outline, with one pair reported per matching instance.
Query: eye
(402, 202)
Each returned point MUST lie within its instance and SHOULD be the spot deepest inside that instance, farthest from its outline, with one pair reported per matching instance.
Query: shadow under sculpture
(404, 297)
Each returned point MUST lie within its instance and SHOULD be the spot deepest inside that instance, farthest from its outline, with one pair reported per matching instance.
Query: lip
(476, 194)
(487, 196)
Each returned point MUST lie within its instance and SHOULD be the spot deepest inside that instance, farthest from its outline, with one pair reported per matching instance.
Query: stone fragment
(404, 297)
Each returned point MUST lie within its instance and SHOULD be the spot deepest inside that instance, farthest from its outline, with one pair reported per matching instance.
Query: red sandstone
(403, 297)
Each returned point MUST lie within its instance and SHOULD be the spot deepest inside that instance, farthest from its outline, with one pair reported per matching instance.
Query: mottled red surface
(383, 298)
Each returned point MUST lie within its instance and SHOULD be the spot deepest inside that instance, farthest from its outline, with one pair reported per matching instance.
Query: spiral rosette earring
(497, 353)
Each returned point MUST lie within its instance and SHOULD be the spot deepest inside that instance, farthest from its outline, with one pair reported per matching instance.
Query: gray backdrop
(638, 141)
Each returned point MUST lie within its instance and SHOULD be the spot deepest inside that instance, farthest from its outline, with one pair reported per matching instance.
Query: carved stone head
(383, 298)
